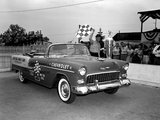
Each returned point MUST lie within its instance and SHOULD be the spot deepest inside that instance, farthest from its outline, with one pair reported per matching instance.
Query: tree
(15, 35)
(1, 40)
(45, 39)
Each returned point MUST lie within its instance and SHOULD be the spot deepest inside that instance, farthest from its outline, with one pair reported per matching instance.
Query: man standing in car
(95, 44)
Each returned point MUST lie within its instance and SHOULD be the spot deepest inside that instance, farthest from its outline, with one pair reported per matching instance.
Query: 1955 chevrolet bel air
(72, 70)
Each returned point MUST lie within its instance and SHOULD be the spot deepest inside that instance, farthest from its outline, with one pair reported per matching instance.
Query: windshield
(68, 49)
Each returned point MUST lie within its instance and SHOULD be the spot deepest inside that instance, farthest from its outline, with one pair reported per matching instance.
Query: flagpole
(72, 38)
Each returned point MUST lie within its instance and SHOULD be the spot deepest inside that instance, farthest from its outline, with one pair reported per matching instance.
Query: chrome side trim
(58, 69)
(46, 67)
(22, 66)
(101, 73)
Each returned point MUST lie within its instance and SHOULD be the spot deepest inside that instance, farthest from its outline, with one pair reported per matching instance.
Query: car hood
(94, 64)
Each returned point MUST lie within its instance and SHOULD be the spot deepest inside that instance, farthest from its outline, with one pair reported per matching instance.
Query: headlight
(82, 71)
(126, 66)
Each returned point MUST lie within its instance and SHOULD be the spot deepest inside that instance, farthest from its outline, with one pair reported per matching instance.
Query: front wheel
(111, 91)
(64, 91)
(21, 78)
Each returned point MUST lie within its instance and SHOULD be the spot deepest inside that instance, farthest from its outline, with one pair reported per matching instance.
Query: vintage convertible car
(72, 70)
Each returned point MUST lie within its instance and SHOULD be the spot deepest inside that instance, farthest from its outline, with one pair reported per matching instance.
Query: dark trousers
(94, 54)
(136, 59)
(123, 57)
(102, 54)
(157, 60)
(116, 57)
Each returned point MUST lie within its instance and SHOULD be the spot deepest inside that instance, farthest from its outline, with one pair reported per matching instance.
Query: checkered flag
(84, 30)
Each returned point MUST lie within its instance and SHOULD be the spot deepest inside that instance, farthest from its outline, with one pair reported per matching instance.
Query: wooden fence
(7, 51)
(21, 49)
(5, 61)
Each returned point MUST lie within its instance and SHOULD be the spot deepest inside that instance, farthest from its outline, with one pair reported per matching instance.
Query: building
(128, 37)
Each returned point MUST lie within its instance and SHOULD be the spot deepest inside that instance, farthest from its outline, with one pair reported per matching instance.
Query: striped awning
(144, 15)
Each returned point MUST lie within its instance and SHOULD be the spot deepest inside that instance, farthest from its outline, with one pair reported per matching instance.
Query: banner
(150, 36)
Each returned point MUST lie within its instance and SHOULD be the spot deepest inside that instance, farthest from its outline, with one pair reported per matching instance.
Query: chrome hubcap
(64, 90)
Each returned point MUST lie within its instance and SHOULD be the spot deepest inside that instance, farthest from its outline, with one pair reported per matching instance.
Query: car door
(45, 74)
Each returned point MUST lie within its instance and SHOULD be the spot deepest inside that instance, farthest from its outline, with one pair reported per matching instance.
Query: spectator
(156, 52)
(137, 54)
(129, 53)
(116, 51)
(123, 51)
(151, 55)
(102, 50)
(146, 51)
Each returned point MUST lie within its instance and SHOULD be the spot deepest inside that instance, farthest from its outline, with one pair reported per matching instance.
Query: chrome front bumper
(99, 87)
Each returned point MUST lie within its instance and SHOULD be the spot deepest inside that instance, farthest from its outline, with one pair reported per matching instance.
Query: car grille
(103, 77)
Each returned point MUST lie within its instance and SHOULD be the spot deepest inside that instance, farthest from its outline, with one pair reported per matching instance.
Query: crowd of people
(138, 53)
(132, 53)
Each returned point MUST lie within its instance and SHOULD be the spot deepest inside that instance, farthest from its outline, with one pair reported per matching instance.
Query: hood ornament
(101, 59)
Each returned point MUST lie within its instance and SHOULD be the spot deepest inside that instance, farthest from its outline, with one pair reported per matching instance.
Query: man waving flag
(84, 30)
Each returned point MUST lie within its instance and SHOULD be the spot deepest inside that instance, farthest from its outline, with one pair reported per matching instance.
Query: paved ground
(33, 102)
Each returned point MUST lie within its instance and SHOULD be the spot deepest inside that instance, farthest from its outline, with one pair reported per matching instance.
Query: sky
(60, 21)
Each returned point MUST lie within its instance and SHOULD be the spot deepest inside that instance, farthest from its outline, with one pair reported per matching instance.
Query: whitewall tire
(21, 78)
(64, 91)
